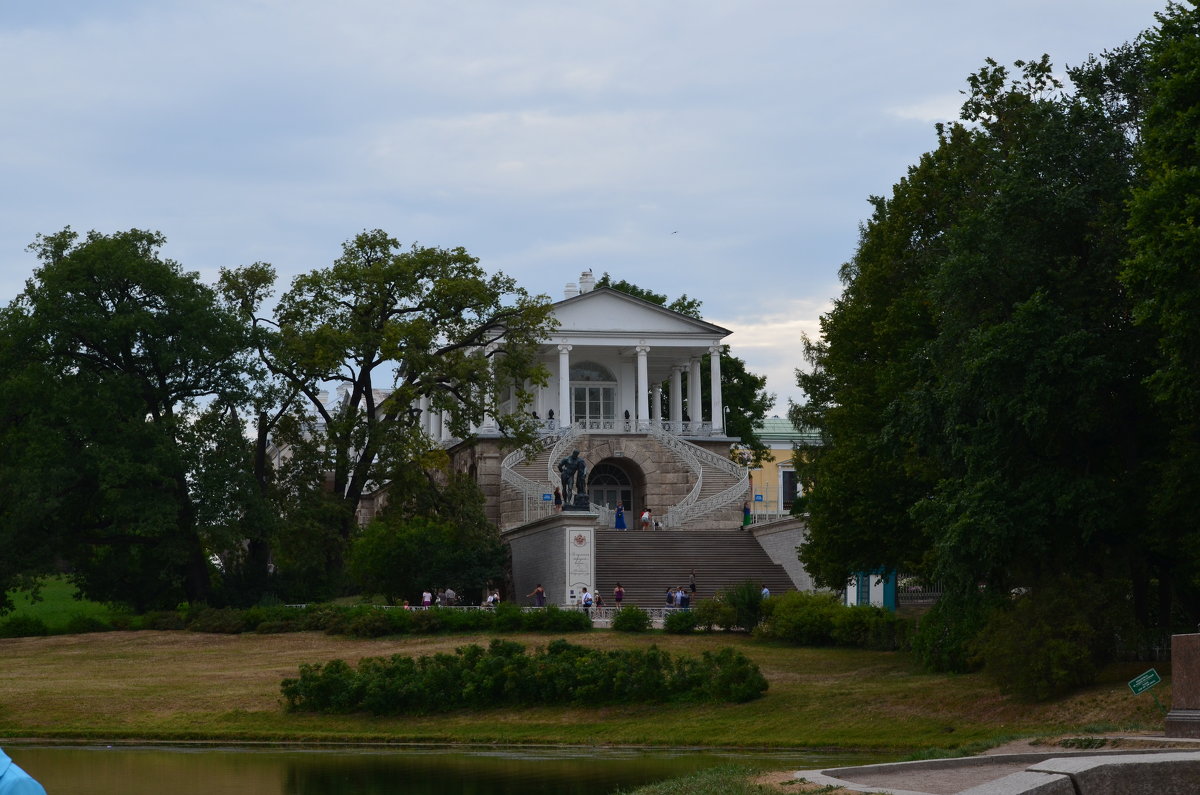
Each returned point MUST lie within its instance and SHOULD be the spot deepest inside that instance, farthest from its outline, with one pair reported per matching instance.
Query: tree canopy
(119, 372)
(980, 384)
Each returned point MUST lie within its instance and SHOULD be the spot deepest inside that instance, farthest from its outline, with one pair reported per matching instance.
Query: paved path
(951, 776)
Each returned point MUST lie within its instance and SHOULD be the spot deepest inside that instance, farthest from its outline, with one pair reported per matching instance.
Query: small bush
(506, 617)
(427, 622)
(80, 624)
(806, 619)
(227, 621)
(712, 613)
(23, 627)
(161, 620)
(1050, 641)
(943, 637)
(322, 618)
(631, 619)
(554, 619)
(369, 623)
(747, 602)
(680, 622)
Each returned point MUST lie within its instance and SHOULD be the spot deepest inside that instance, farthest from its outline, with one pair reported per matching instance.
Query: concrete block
(1026, 783)
(1129, 774)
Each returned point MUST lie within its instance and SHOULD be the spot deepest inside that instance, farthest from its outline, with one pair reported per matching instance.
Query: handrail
(716, 502)
(518, 481)
(686, 452)
(691, 507)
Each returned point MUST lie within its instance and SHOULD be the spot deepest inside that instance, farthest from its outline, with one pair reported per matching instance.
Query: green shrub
(504, 675)
(680, 622)
(747, 602)
(81, 624)
(506, 617)
(161, 620)
(712, 613)
(631, 619)
(427, 622)
(806, 619)
(227, 621)
(323, 618)
(732, 677)
(867, 627)
(20, 626)
(554, 619)
(943, 637)
(1049, 641)
(370, 622)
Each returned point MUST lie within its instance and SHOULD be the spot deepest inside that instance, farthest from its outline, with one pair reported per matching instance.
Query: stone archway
(616, 479)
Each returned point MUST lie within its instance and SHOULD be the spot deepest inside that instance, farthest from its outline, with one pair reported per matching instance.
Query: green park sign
(1143, 682)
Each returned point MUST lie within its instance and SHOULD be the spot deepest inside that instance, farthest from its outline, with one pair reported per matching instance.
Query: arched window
(608, 484)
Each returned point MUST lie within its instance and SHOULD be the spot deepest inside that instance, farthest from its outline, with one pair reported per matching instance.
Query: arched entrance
(613, 480)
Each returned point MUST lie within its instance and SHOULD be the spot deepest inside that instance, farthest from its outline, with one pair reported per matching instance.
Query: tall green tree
(860, 483)
(978, 382)
(114, 353)
(1163, 276)
(744, 392)
(387, 327)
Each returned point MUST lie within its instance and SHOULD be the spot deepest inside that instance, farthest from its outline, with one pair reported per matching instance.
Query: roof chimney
(571, 290)
(586, 282)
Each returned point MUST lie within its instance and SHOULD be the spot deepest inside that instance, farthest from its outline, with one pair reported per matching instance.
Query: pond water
(366, 771)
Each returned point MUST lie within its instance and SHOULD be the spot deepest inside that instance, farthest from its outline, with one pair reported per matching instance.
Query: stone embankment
(1168, 771)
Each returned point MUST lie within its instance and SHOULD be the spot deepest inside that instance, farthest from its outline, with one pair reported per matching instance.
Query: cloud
(771, 343)
(939, 107)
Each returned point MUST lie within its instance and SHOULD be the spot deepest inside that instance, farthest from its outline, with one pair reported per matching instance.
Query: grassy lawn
(182, 685)
(57, 605)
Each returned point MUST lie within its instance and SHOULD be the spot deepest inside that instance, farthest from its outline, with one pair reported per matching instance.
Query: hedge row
(815, 619)
(358, 621)
(503, 675)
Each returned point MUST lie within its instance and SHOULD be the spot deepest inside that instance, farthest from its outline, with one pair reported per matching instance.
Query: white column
(444, 420)
(694, 409)
(489, 418)
(564, 385)
(643, 388)
(718, 410)
(435, 425)
(426, 417)
(656, 404)
(676, 398)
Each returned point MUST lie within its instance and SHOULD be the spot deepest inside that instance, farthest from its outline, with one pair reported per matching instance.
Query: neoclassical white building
(625, 389)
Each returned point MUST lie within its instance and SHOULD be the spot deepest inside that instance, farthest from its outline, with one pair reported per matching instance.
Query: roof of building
(779, 430)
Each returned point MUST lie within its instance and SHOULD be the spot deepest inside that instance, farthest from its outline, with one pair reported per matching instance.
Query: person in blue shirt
(15, 781)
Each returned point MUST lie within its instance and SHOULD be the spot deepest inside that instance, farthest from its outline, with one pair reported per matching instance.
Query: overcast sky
(724, 150)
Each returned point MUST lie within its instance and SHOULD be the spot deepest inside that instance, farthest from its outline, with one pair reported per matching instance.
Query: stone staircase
(537, 469)
(646, 564)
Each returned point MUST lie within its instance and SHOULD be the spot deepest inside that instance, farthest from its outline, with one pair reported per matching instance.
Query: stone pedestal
(579, 502)
(1184, 718)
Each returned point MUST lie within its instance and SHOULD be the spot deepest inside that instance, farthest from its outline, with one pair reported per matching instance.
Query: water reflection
(419, 771)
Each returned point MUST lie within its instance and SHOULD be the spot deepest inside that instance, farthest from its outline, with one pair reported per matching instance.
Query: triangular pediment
(604, 310)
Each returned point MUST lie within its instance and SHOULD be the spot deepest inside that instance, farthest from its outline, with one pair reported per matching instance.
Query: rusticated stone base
(1184, 718)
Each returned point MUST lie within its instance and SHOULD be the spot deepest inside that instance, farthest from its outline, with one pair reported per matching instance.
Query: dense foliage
(819, 619)
(503, 675)
(127, 387)
(1005, 388)
(362, 621)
